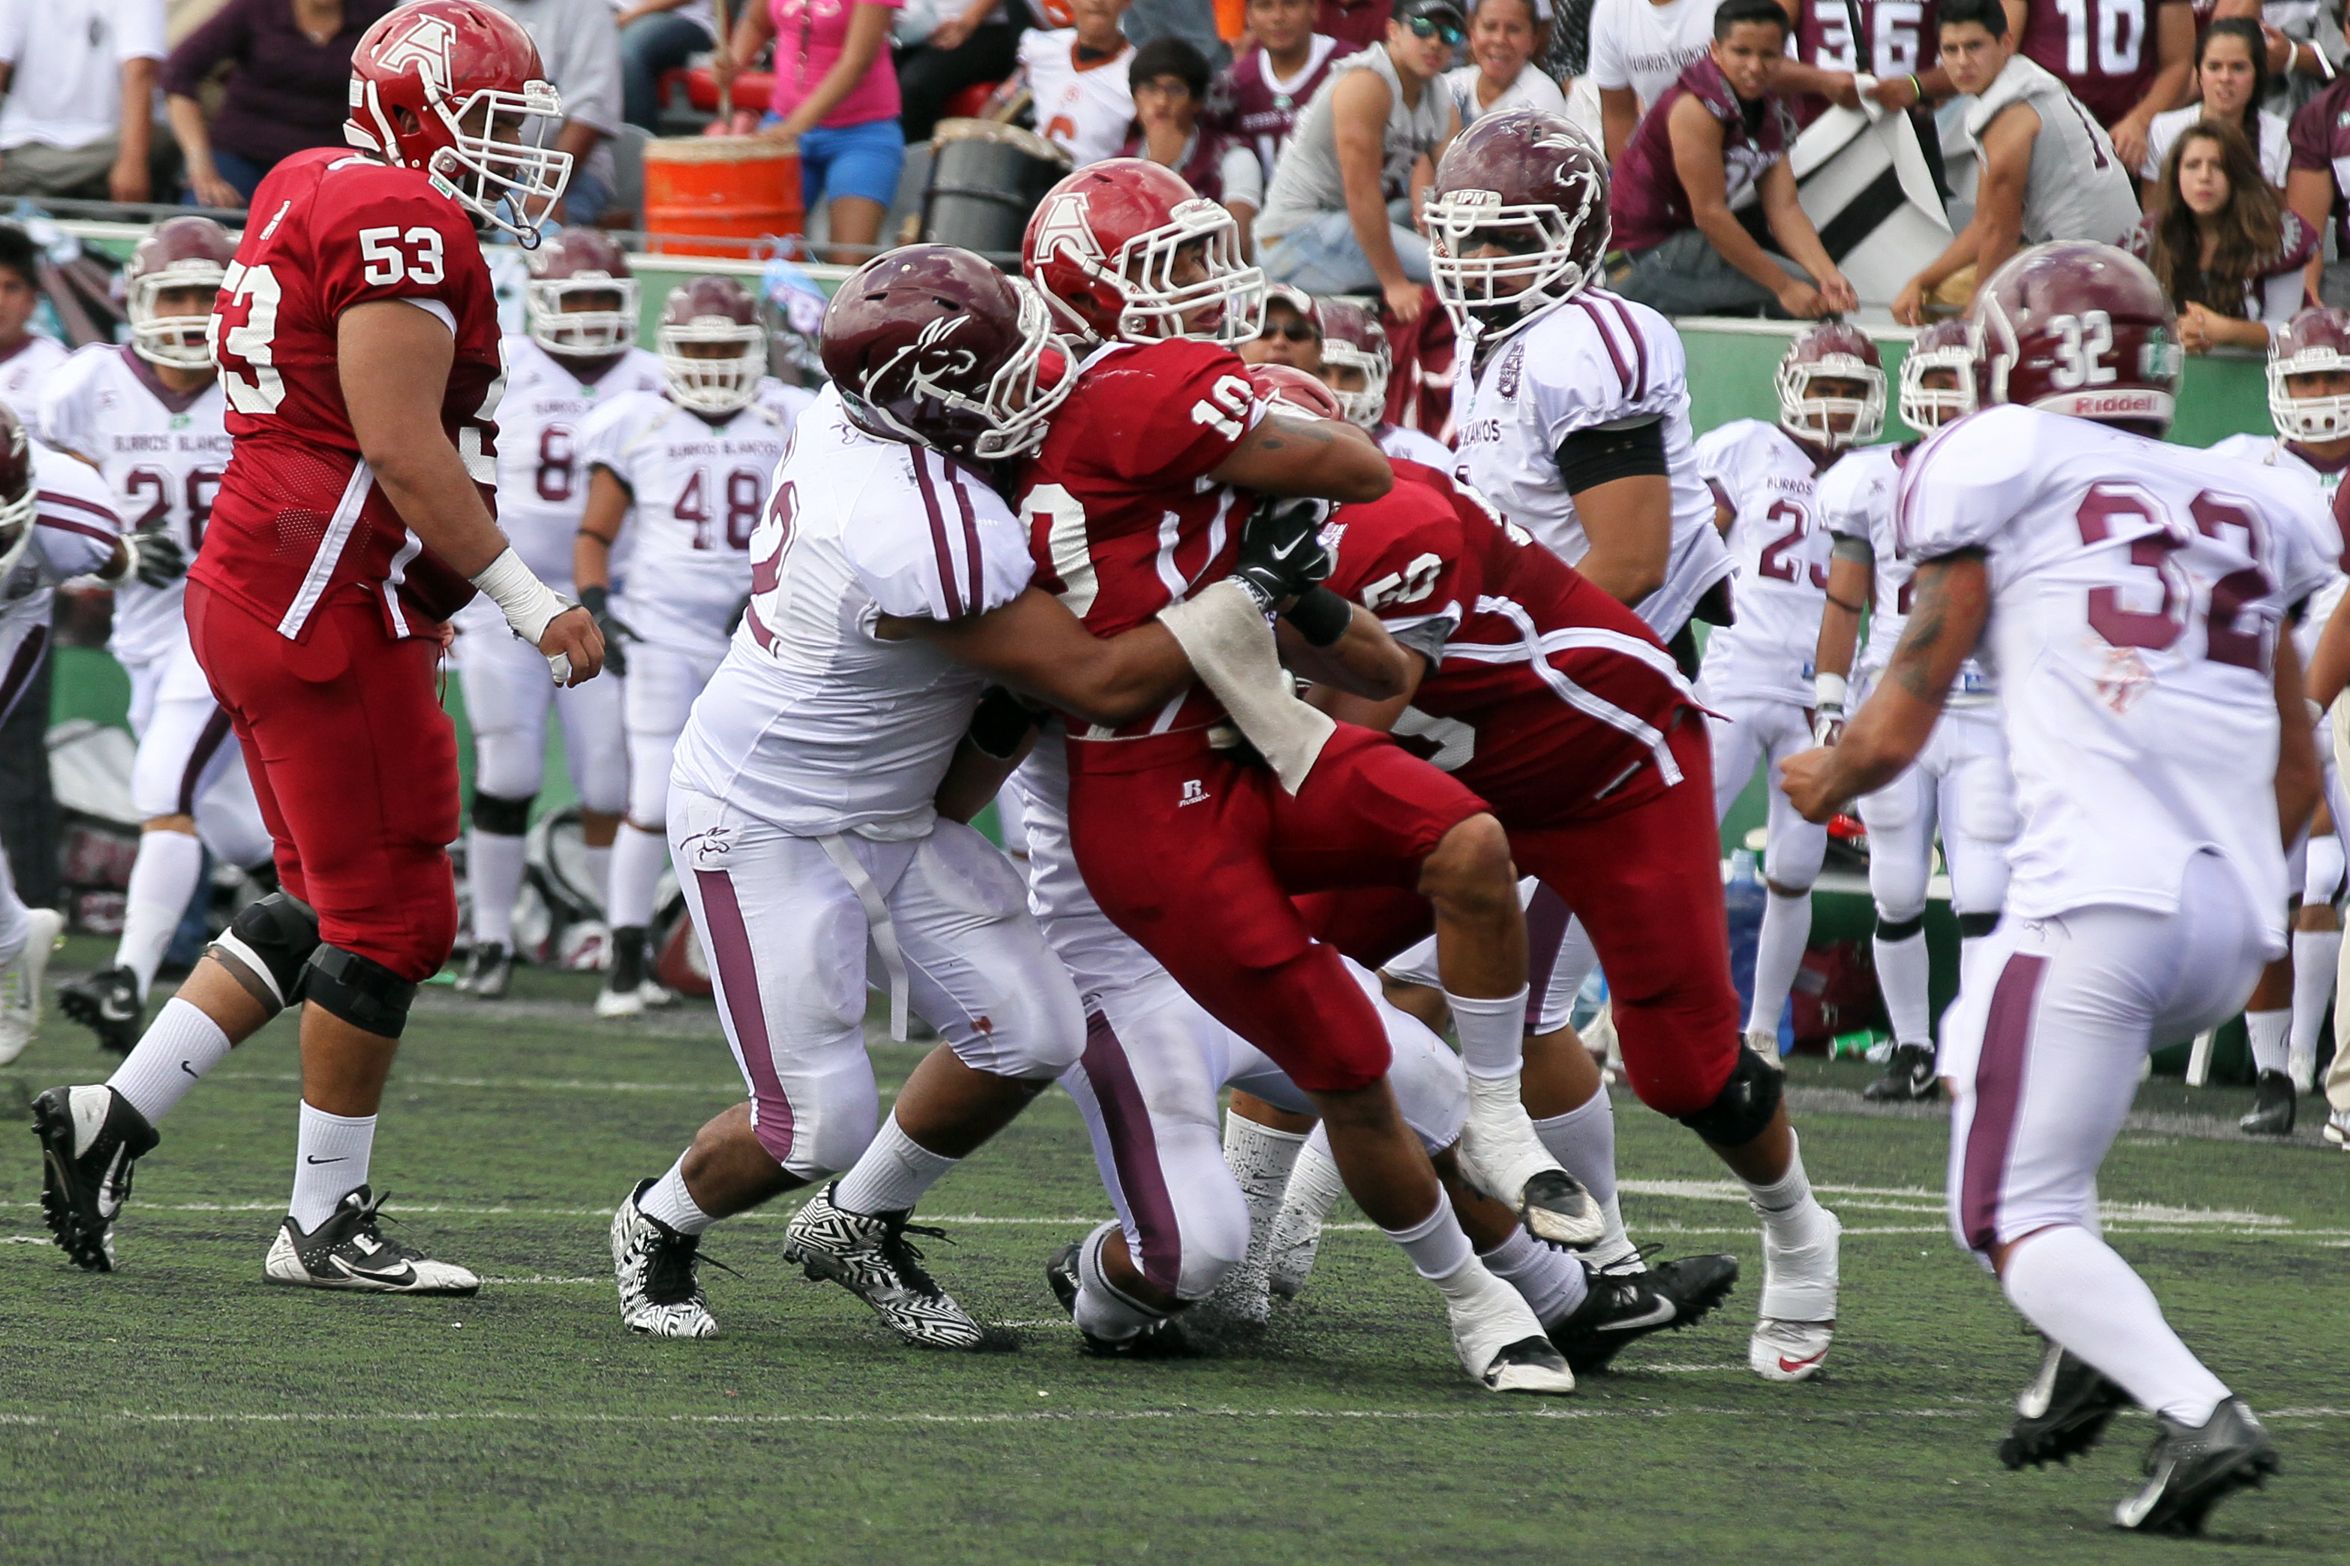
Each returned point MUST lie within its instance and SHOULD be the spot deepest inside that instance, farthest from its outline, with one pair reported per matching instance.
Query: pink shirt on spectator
(809, 35)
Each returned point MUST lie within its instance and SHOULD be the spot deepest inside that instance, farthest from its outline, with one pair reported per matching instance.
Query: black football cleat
(107, 1003)
(349, 1250)
(2273, 1105)
(2190, 1470)
(489, 969)
(1162, 1339)
(1624, 1307)
(1909, 1078)
(2062, 1413)
(90, 1137)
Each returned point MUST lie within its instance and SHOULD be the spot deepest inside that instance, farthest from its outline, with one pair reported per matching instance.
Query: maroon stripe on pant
(738, 989)
(1135, 1152)
(207, 746)
(1999, 1093)
(1547, 918)
(21, 667)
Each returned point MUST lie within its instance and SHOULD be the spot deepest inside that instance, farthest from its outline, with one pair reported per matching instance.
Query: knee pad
(272, 940)
(1898, 929)
(501, 814)
(507, 764)
(1743, 1107)
(359, 990)
(1974, 926)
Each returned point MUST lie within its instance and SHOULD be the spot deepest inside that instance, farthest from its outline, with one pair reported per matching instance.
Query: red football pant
(354, 765)
(1198, 856)
(1647, 883)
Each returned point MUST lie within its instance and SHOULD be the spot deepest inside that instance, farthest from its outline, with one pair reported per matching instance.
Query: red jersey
(1544, 695)
(1122, 517)
(2103, 50)
(299, 519)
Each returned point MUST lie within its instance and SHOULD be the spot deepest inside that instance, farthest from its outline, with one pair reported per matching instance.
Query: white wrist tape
(528, 603)
(1224, 634)
(1828, 692)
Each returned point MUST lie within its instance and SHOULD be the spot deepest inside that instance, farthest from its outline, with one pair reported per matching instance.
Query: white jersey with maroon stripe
(542, 468)
(697, 487)
(161, 454)
(2285, 458)
(1769, 482)
(1856, 502)
(75, 530)
(2137, 589)
(1596, 361)
(23, 370)
(815, 723)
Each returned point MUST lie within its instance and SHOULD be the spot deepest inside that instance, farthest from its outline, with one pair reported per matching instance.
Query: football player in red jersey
(1134, 501)
(358, 342)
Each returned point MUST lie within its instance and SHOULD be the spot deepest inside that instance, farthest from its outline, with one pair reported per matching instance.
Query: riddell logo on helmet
(1065, 225)
(428, 46)
(2135, 404)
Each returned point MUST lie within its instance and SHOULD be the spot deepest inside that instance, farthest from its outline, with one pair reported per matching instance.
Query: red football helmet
(581, 264)
(183, 253)
(2079, 328)
(2315, 342)
(1354, 343)
(1527, 185)
(1287, 386)
(1831, 351)
(1108, 245)
(712, 347)
(1941, 346)
(932, 345)
(16, 491)
(452, 87)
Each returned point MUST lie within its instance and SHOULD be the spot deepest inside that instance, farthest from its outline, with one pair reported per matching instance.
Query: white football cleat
(1501, 1155)
(611, 1003)
(1798, 1311)
(654, 1266)
(1500, 1341)
(2337, 1129)
(349, 1250)
(1766, 1044)
(20, 981)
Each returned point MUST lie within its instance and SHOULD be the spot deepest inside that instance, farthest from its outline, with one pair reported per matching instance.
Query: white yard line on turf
(1021, 1417)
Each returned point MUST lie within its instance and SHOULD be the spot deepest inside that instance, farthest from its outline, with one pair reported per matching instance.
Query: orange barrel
(710, 190)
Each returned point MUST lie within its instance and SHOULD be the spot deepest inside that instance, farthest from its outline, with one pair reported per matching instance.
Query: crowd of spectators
(2209, 134)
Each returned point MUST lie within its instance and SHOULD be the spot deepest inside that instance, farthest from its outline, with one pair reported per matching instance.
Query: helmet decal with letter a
(1063, 227)
(427, 45)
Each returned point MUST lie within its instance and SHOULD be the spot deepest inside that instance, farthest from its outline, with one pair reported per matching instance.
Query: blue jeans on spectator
(1324, 257)
(648, 46)
(241, 172)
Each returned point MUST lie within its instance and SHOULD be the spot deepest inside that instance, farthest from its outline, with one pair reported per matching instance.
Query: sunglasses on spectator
(1429, 27)
(1292, 332)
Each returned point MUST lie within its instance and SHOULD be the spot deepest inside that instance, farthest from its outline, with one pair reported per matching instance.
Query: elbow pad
(1590, 458)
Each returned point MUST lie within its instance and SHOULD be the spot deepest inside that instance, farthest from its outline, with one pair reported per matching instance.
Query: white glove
(1828, 693)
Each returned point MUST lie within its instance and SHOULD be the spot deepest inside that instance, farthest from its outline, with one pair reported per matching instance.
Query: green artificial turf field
(181, 1410)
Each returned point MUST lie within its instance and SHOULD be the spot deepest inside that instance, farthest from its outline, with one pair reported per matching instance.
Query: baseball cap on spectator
(1436, 11)
(1299, 301)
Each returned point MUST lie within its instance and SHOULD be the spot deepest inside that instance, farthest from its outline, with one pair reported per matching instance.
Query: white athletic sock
(599, 874)
(2265, 1031)
(1102, 1308)
(330, 1161)
(1786, 1205)
(2315, 954)
(2074, 1288)
(1437, 1245)
(163, 880)
(1551, 1281)
(1583, 1140)
(1778, 952)
(1315, 1184)
(1261, 1159)
(668, 1200)
(1903, 975)
(1492, 1031)
(179, 1046)
(493, 869)
(638, 858)
(892, 1173)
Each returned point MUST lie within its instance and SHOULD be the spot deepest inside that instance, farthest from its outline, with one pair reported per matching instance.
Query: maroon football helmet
(1941, 346)
(2079, 328)
(930, 344)
(2312, 343)
(16, 491)
(1295, 389)
(713, 351)
(581, 263)
(1527, 185)
(190, 253)
(1104, 246)
(451, 87)
(1354, 343)
(1831, 351)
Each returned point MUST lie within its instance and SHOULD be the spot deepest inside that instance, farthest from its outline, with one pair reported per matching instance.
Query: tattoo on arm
(1922, 637)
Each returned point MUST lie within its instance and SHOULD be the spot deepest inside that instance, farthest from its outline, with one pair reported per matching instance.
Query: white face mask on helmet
(2307, 418)
(1815, 417)
(713, 385)
(581, 333)
(1927, 408)
(1367, 407)
(181, 341)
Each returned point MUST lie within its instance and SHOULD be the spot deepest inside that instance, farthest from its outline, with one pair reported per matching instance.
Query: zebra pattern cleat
(869, 1255)
(653, 1264)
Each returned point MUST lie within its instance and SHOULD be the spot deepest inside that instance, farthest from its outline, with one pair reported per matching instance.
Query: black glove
(598, 602)
(156, 557)
(1281, 553)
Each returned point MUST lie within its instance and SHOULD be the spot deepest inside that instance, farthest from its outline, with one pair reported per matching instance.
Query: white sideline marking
(1521, 1410)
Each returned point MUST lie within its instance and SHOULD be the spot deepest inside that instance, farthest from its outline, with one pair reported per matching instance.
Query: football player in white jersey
(2309, 402)
(1960, 787)
(686, 468)
(57, 522)
(150, 418)
(2131, 596)
(807, 816)
(577, 355)
(1756, 679)
(1356, 362)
